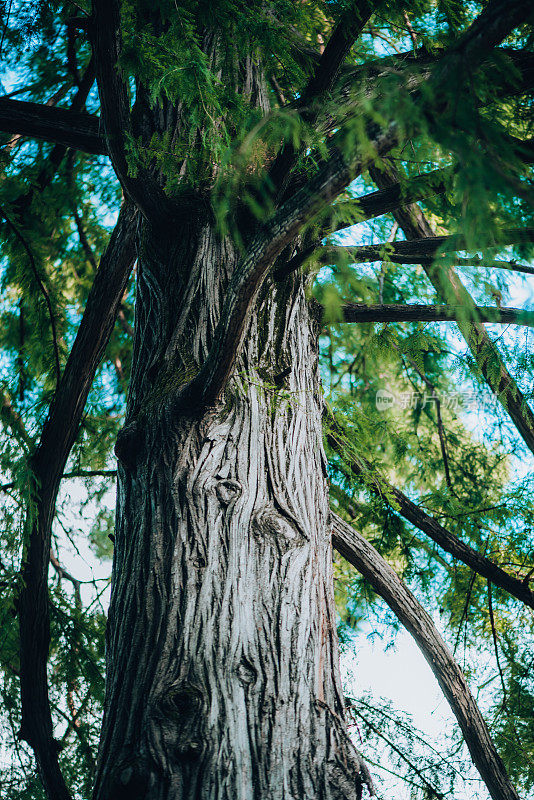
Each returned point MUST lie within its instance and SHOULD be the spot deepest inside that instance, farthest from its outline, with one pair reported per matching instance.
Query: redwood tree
(243, 138)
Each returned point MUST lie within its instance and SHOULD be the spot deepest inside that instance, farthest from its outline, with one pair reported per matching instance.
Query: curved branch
(362, 555)
(142, 188)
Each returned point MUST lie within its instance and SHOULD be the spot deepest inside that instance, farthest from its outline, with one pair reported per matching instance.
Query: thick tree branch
(487, 263)
(397, 312)
(498, 19)
(422, 251)
(456, 65)
(247, 279)
(71, 129)
(47, 464)
(427, 524)
(345, 33)
(307, 202)
(350, 212)
(362, 555)
(449, 287)
(418, 251)
(142, 188)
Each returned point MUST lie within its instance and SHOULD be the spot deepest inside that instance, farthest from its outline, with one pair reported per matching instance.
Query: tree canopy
(393, 167)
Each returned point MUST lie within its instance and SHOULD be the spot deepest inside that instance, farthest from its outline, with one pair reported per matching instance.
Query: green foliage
(56, 210)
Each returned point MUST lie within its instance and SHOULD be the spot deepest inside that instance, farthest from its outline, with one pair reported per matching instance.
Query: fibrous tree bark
(222, 596)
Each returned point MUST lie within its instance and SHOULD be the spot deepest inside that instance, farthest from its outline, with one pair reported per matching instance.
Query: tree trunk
(222, 662)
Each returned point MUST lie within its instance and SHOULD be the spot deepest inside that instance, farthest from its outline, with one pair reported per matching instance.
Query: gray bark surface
(223, 677)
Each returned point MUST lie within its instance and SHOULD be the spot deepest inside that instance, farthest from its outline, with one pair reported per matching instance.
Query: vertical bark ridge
(223, 677)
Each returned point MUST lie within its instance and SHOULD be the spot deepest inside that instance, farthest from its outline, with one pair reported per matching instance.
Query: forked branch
(326, 70)
(449, 286)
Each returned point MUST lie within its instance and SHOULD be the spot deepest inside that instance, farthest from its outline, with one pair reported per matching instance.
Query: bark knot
(176, 724)
(246, 672)
(269, 523)
(227, 491)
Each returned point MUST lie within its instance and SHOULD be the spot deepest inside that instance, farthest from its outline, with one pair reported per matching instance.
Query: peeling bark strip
(362, 555)
(222, 663)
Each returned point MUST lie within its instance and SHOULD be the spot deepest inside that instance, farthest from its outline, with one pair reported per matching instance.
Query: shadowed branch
(47, 463)
(427, 524)
(385, 581)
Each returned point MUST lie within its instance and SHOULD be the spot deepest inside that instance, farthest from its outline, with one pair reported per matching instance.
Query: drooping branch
(63, 573)
(42, 288)
(402, 504)
(47, 464)
(80, 131)
(449, 286)
(362, 555)
(416, 312)
(10, 416)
